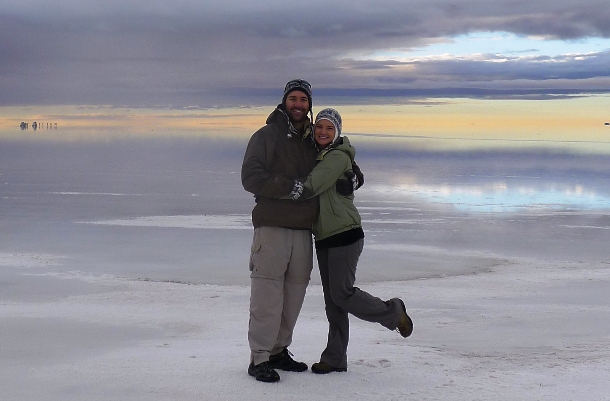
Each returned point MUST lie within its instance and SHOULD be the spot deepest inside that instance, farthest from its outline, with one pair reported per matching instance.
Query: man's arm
(255, 176)
(354, 180)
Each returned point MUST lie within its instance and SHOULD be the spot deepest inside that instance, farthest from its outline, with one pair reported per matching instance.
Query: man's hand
(359, 181)
(344, 186)
(354, 180)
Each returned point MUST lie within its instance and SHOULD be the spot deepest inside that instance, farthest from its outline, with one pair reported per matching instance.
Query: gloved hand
(296, 191)
(359, 176)
(345, 186)
(354, 180)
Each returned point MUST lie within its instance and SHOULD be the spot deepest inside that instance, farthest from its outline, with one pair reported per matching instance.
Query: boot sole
(404, 309)
(288, 369)
(324, 371)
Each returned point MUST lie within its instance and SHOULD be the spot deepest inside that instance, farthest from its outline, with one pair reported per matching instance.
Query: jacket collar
(307, 130)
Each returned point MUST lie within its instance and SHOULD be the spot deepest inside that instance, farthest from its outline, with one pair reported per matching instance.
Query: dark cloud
(498, 68)
(187, 52)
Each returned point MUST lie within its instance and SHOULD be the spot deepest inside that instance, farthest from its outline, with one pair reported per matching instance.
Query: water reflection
(496, 181)
(502, 197)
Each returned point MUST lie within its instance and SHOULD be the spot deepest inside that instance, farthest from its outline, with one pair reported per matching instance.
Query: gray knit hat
(297, 85)
(334, 117)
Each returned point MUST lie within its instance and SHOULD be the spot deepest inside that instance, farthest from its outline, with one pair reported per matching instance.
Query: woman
(339, 240)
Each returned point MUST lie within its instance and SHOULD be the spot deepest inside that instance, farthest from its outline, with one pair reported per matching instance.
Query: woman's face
(324, 133)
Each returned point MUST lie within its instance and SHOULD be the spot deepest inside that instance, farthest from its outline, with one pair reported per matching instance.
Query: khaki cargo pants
(281, 262)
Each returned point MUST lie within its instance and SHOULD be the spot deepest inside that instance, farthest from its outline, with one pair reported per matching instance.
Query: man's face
(297, 106)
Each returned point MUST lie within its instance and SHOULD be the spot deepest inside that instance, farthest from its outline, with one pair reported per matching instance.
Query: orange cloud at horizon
(559, 120)
(99, 122)
(463, 120)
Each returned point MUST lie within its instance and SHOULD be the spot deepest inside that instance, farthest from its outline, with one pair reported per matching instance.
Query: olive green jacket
(337, 212)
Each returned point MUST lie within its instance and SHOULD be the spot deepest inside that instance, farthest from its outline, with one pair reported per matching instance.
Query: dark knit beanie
(297, 85)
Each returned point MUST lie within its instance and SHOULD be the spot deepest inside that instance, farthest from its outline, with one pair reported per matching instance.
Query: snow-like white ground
(522, 330)
(123, 276)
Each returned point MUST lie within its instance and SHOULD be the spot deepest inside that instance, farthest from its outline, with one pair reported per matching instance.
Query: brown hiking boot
(323, 368)
(405, 325)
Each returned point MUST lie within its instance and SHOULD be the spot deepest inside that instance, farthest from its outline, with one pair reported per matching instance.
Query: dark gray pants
(338, 274)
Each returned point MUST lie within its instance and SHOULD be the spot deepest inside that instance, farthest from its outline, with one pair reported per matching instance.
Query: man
(281, 260)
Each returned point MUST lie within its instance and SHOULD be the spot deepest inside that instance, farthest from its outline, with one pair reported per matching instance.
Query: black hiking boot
(405, 325)
(323, 368)
(263, 372)
(284, 361)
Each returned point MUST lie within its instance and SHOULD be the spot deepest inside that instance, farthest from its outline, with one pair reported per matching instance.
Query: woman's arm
(323, 177)
(326, 173)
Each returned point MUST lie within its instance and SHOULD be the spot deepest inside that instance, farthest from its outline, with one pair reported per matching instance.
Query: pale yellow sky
(465, 122)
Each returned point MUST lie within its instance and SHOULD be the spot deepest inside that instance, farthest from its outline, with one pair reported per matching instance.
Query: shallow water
(135, 208)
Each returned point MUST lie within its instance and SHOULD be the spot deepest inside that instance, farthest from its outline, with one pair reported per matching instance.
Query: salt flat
(123, 275)
(524, 330)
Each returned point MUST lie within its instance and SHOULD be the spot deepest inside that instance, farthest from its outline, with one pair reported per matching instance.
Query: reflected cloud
(500, 197)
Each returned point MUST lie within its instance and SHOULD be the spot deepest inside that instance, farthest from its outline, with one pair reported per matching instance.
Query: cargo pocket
(254, 250)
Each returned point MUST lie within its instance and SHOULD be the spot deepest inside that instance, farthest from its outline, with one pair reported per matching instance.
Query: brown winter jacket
(275, 157)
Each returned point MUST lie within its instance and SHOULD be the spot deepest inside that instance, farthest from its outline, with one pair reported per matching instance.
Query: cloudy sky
(202, 53)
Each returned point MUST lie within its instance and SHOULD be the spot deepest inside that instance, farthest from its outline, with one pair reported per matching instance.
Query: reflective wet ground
(425, 213)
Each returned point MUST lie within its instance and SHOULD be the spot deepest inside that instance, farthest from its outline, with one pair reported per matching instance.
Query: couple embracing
(303, 174)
